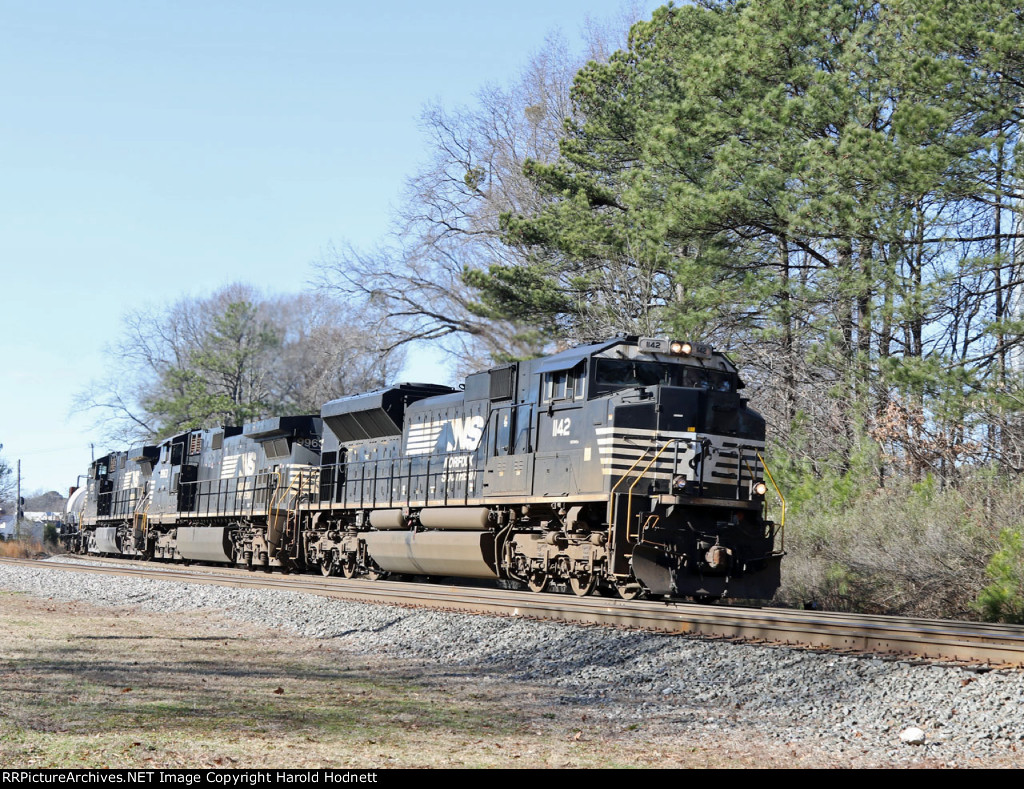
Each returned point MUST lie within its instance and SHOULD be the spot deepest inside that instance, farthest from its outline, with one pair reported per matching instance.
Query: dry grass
(92, 687)
(85, 686)
(20, 549)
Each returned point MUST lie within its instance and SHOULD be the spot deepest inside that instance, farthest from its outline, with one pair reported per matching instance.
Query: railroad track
(946, 640)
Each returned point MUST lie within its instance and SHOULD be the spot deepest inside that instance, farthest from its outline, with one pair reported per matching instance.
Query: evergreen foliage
(222, 378)
(832, 192)
(829, 190)
(1002, 600)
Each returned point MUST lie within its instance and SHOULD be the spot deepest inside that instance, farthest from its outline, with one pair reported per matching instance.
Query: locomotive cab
(688, 493)
(114, 491)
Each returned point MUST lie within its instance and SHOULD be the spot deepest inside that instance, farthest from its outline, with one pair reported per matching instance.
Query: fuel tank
(461, 553)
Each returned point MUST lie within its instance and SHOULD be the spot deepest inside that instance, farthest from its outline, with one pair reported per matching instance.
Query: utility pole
(17, 506)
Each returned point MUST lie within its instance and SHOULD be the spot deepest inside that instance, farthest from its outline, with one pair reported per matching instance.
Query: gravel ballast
(851, 709)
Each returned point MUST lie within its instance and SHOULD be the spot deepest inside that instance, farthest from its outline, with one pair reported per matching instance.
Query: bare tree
(233, 356)
(327, 350)
(450, 222)
(7, 480)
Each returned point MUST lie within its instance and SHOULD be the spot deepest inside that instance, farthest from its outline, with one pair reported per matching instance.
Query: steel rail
(968, 642)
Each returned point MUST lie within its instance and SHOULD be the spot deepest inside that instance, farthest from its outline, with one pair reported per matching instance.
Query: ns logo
(462, 435)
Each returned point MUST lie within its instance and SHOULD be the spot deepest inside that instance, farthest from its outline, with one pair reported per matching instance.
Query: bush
(1002, 600)
(912, 549)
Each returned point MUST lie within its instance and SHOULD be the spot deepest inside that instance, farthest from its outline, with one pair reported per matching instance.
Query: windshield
(613, 374)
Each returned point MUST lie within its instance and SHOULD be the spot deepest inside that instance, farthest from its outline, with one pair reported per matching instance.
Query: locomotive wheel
(628, 591)
(538, 582)
(373, 571)
(348, 566)
(327, 567)
(583, 585)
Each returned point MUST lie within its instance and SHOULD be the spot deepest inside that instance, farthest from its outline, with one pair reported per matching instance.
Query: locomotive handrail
(232, 496)
(364, 479)
(629, 470)
(299, 476)
(611, 500)
(743, 461)
(629, 494)
(143, 517)
(288, 499)
(650, 523)
(278, 494)
(118, 503)
(782, 522)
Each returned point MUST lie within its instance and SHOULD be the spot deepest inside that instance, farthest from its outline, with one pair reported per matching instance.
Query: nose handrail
(782, 499)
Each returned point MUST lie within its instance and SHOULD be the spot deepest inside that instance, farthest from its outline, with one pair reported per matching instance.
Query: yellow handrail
(611, 498)
(629, 503)
(782, 521)
(308, 481)
(623, 477)
(144, 517)
(278, 495)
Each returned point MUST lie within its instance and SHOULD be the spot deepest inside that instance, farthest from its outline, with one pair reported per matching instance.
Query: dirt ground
(84, 686)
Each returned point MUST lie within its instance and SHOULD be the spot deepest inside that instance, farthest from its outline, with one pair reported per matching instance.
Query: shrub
(909, 548)
(1002, 600)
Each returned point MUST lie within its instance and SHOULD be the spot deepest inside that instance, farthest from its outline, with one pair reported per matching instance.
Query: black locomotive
(631, 466)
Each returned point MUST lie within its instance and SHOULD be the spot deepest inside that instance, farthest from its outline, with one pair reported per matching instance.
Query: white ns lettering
(466, 433)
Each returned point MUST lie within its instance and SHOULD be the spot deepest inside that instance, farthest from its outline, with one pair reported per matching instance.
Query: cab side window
(565, 384)
(554, 385)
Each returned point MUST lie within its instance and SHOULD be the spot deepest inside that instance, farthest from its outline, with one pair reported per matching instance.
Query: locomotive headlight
(681, 348)
(760, 488)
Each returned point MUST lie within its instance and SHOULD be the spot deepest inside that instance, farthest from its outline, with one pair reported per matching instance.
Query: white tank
(74, 505)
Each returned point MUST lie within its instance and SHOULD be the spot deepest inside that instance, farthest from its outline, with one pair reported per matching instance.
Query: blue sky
(151, 150)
